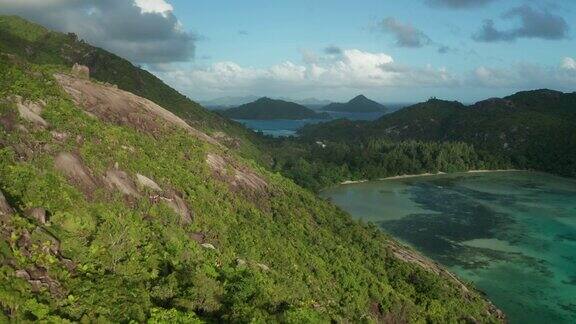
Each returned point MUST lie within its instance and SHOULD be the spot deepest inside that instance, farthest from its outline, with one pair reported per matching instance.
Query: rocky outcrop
(31, 111)
(407, 255)
(38, 214)
(121, 181)
(179, 206)
(5, 209)
(148, 183)
(81, 71)
(76, 172)
(238, 177)
(111, 104)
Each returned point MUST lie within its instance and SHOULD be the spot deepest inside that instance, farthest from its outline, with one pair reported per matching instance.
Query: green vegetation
(271, 254)
(42, 46)
(359, 104)
(266, 108)
(316, 165)
(528, 130)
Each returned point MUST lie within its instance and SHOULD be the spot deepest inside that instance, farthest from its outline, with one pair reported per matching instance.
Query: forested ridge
(528, 130)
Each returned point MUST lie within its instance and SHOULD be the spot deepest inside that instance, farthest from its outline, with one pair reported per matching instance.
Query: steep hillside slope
(266, 108)
(42, 46)
(532, 129)
(115, 209)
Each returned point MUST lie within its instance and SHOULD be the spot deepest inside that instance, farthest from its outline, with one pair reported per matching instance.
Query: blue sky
(392, 51)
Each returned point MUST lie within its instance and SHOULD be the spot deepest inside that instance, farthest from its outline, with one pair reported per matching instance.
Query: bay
(512, 234)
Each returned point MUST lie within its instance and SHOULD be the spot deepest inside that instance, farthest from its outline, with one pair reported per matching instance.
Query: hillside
(532, 129)
(266, 108)
(113, 208)
(42, 46)
(359, 104)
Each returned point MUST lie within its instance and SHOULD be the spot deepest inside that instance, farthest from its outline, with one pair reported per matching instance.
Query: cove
(512, 234)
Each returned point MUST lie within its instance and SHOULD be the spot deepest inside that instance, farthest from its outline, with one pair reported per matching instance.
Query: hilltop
(359, 104)
(124, 202)
(39, 45)
(266, 108)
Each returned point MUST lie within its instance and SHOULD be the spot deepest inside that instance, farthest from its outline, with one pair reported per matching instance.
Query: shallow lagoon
(513, 234)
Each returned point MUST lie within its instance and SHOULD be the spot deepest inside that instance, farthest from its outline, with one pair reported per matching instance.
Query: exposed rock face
(124, 108)
(208, 246)
(179, 206)
(146, 182)
(5, 209)
(264, 267)
(238, 177)
(76, 172)
(31, 111)
(81, 71)
(39, 214)
(120, 180)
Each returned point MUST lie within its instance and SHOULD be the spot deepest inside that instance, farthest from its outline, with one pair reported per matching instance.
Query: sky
(391, 51)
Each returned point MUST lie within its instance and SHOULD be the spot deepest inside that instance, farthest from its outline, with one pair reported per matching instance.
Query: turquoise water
(513, 234)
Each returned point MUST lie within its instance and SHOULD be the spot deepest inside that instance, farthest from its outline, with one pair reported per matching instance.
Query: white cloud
(143, 31)
(526, 76)
(154, 6)
(352, 70)
(569, 64)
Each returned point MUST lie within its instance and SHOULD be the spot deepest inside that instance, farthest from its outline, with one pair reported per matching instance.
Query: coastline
(427, 174)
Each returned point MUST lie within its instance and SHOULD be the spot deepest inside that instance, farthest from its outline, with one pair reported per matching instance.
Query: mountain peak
(359, 104)
(267, 108)
(359, 97)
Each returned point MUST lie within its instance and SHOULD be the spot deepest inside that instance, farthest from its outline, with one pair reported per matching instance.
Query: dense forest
(528, 130)
(316, 165)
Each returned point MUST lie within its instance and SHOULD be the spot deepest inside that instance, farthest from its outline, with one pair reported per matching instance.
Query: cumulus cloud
(458, 4)
(534, 23)
(350, 70)
(144, 31)
(568, 64)
(154, 6)
(406, 35)
(526, 76)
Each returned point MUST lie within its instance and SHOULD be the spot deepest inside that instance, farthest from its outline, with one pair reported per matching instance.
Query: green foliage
(318, 165)
(528, 130)
(39, 45)
(303, 259)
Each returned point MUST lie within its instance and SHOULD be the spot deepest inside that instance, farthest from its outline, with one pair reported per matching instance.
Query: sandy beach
(404, 176)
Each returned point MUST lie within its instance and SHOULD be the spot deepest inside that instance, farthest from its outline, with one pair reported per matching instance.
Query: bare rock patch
(121, 181)
(111, 104)
(76, 172)
(238, 177)
(5, 209)
(80, 71)
(146, 182)
(180, 207)
(30, 111)
(38, 214)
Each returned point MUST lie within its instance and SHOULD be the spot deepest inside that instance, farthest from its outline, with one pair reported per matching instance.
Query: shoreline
(427, 174)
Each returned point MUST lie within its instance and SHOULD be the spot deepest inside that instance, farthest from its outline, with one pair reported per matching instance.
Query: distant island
(268, 109)
(359, 104)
